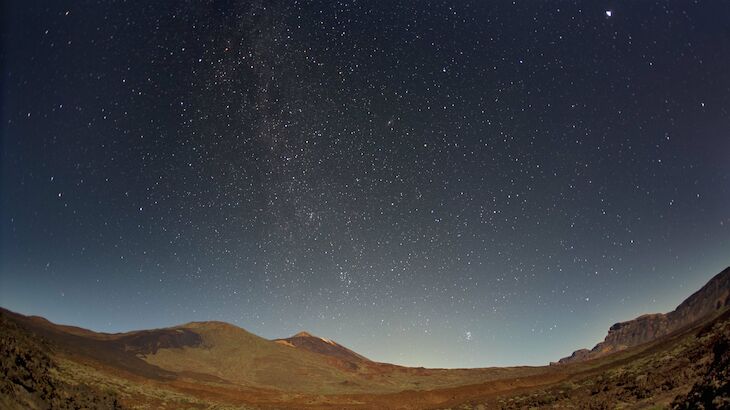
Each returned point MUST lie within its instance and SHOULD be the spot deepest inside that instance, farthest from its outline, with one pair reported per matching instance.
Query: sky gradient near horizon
(439, 184)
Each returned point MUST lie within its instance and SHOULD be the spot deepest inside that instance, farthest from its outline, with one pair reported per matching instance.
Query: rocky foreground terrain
(678, 360)
(32, 379)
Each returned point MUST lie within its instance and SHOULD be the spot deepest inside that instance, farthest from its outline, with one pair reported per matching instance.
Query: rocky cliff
(710, 300)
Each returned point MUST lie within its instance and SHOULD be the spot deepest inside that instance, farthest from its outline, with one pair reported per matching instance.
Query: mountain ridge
(710, 299)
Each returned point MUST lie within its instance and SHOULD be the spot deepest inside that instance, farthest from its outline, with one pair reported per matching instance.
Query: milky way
(428, 183)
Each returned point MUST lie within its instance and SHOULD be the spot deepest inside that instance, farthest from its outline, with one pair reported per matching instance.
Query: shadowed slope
(30, 377)
(108, 349)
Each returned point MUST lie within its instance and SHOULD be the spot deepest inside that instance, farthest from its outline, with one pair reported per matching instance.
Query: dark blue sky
(450, 184)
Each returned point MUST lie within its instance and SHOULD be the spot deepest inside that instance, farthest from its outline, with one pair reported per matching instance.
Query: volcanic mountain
(680, 358)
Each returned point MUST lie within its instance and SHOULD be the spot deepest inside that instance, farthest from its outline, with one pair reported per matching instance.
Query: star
(418, 180)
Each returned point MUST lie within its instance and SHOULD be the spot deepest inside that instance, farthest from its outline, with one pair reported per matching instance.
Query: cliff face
(710, 300)
(713, 297)
(635, 332)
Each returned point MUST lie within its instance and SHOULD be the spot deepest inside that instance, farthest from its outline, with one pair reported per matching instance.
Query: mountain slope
(710, 300)
(30, 379)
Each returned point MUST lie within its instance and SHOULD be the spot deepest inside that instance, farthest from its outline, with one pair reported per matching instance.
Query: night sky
(446, 184)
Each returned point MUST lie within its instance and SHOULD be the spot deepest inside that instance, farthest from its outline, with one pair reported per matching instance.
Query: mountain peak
(307, 341)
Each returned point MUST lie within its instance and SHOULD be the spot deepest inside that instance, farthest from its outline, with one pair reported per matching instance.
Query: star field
(450, 184)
